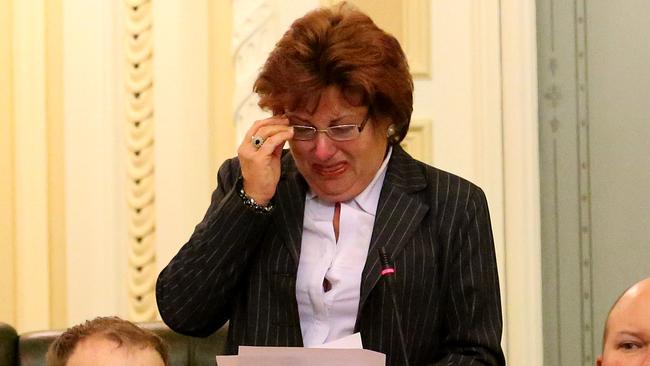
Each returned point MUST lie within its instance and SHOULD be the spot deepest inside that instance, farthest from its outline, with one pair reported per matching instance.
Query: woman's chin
(334, 191)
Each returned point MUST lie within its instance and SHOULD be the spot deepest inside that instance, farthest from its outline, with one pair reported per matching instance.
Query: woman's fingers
(276, 140)
(262, 126)
(260, 165)
(261, 131)
(267, 132)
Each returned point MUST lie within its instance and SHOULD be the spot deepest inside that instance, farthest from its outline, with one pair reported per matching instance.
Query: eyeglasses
(336, 133)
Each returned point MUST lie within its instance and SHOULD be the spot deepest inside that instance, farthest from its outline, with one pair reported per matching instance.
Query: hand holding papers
(343, 352)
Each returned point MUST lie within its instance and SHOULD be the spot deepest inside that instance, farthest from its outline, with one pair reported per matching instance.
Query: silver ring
(257, 141)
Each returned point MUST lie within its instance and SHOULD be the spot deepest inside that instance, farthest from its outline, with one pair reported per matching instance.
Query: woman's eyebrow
(296, 119)
(294, 116)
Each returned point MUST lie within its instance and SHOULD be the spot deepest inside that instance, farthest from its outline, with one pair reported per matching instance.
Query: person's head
(626, 339)
(107, 341)
(334, 66)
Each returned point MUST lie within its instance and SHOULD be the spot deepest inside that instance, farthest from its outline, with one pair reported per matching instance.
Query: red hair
(338, 46)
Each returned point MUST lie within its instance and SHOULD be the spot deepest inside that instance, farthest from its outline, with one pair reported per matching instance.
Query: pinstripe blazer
(240, 266)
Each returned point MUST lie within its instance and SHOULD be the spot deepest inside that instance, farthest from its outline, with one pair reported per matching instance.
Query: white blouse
(327, 316)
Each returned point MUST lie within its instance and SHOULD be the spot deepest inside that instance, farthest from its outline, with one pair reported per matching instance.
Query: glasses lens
(303, 132)
(343, 132)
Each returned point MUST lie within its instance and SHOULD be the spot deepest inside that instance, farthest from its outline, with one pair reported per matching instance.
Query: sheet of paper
(228, 360)
(298, 356)
(353, 341)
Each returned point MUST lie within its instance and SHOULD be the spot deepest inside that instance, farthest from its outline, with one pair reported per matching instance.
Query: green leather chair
(8, 344)
(30, 348)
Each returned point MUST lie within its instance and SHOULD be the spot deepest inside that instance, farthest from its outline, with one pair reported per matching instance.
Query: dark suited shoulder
(448, 193)
(474, 322)
(442, 190)
(196, 289)
(459, 230)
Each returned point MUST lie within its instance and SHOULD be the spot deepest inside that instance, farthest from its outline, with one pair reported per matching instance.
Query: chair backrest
(8, 344)
(183, 350)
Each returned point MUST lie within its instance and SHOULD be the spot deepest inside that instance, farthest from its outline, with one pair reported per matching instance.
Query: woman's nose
(325, 147)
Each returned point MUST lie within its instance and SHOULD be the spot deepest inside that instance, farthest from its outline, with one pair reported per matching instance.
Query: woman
(288, 250)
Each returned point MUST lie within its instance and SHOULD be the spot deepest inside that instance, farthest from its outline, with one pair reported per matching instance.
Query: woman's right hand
(261, 166)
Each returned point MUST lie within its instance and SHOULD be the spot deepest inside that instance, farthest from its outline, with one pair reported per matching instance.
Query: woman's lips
(330, 171)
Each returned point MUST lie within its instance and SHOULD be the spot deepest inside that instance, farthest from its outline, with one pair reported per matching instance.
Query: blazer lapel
(290, 206)
(399, 213)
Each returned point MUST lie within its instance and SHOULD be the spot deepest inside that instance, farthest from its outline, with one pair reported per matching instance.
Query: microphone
(387, 273)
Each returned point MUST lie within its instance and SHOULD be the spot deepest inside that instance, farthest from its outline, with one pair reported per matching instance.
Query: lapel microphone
(387, 273)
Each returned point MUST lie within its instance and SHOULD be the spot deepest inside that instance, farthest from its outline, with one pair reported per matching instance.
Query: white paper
(345, 351)
(298, 356)
(353, 341)
(228, 360)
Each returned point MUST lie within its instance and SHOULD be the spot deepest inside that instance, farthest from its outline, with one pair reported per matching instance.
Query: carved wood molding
(416, 32)
(252, 42)
(142, 270)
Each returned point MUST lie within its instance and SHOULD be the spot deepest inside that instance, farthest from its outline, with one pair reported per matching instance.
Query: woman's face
(338, 170)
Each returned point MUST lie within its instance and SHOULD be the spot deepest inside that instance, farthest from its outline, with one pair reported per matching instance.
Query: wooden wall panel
(7, 204)
(31, 171)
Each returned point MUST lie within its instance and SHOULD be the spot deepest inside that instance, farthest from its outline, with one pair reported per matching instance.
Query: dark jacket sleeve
(474, 320)
(194, 291)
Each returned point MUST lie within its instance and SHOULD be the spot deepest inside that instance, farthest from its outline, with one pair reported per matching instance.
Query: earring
(391, 131)
(391, 134)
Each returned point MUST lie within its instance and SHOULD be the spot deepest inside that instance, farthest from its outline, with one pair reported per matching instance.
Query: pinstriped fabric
(449, 294)
(241, 266)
